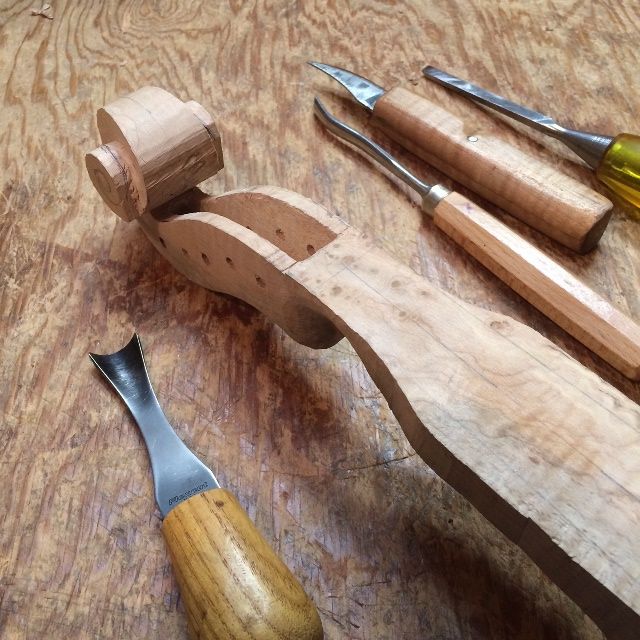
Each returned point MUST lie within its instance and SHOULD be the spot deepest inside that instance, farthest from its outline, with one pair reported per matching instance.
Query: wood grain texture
(139, 132)
(494, 408)
(550, 288)
(532, 190)
(233, 584)
(301, 436)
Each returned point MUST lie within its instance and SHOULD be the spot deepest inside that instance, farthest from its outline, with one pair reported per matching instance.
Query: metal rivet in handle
(472, 138)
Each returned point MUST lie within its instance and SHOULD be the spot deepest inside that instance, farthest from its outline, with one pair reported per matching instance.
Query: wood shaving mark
(44, 11)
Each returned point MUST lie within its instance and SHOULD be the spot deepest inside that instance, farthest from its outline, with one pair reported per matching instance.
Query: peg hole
(311, 249)
(280, 233)
(260, 282)
(184, 252)
(205, 258)
(229, 261)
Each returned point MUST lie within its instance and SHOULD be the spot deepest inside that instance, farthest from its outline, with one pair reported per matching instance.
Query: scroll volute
(154, 147)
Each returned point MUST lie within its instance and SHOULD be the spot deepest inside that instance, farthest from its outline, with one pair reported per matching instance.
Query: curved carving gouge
(616, 161)
(545, 449)
(529, 189)
(233, 584)
(544, 283)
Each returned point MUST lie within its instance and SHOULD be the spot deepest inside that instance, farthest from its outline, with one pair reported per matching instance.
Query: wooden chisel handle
(532, 191)
(233, 584)
(544, 283)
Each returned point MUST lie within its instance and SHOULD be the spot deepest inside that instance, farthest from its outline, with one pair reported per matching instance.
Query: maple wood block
(154, 148)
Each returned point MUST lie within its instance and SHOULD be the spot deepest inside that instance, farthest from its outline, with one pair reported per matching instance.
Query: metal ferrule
(591, 147)
(434, 197)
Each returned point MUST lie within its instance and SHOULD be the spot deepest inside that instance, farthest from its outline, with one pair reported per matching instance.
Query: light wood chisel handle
(532, 191)
(233, 584)
(544, 283)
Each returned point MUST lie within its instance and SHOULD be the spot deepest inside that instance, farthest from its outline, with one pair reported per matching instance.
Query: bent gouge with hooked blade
(233, 584)
(541, 281)
(529, 189)
(541, 446)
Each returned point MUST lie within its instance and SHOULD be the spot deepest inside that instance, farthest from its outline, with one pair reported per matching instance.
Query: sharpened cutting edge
(589, 146)
(363, 90)
(177, 473)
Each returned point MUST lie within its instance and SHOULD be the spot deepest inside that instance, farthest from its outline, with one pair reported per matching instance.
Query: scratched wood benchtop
(304, 439)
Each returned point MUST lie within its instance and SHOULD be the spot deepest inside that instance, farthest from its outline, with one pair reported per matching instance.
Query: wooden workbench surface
(303, 437)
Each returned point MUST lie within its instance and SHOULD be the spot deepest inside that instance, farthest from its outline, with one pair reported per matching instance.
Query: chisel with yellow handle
(616, 161)
(529, 189)
(233, 584)
(541, 281)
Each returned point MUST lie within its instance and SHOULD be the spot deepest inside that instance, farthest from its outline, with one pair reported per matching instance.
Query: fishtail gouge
(232, 583)
(529, 189)
(541, 446)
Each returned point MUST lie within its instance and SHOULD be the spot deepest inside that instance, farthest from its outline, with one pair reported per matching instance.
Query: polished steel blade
(518, 112)
(177, 473)
(589, 146)
(430, 194)
(363, 90)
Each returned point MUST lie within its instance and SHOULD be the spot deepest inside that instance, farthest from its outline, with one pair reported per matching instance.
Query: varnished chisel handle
(544, 283)
(532, 191)
(233, 584)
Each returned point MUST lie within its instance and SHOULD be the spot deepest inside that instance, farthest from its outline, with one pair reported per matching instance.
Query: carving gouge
(233, 584)
(616, 160)
(529, 189)
(544, 283)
